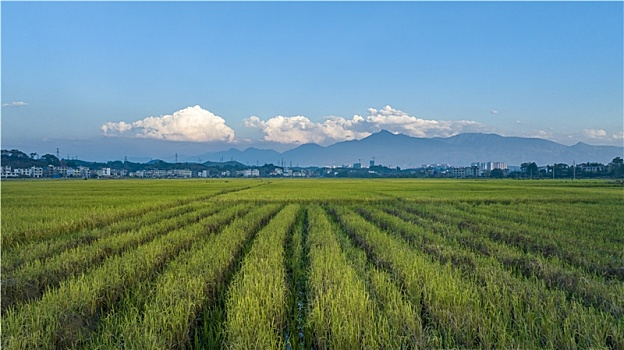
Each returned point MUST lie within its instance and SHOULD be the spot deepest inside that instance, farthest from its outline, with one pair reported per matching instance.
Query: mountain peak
(383, 134)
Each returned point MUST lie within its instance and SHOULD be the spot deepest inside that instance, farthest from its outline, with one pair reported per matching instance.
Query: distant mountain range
(401, 150)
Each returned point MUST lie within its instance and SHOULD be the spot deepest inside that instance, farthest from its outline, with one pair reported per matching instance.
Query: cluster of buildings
(59, 172)
(474, 170)
(85, 172)
(35, 172)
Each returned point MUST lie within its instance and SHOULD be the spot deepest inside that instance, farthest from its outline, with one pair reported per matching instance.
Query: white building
(61, 170)
(251, 173)
(158, 173)
(7, 172)
(36, 172)
(489, 166)
(277, 172)
(104, 172)
(184, 173)
(462, 172)
(119, 172)
(592, 168)
(298, 174)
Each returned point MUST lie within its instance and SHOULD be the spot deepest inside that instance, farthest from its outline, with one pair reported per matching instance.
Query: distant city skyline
(104, 80)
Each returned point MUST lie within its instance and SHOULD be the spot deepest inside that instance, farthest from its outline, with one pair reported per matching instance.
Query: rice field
(312, 264)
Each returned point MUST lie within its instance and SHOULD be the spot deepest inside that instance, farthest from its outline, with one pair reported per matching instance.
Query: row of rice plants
(584, 222)
(598, 218)
(161, 315)
(535, 314)
(38, 210)
(341, 314)
(590, 289)
(257, 297)
(40, 250)
(532, 313)
(581, 282)
(576, 238)
(399, 318)
(451, 309)
(61, 316)
(583, 253)
(297, 276)
(74, 219)
(31, 279)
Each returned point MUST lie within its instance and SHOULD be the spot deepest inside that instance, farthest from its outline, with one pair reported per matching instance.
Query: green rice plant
(41, 250)
(257, 297)
(61, 317)
(474, 231)
(37, 210)
(396, 264)
(168, 312)
(296, 336)
(527, 228)
(451, 309)
(531, 312)
(576, 238)
(398, 318)
(341, 313)
(32, 279)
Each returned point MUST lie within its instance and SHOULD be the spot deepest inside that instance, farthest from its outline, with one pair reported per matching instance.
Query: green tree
(497, 174)
(616, 167)
(50, 159)
(15, 153)
(531, 170)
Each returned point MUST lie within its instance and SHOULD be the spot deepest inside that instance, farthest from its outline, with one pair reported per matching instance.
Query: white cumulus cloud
(395, 120)
(15, 104)
(189, 124)
(300, 129)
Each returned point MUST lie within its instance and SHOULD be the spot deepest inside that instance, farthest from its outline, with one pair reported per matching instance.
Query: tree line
(615, 169)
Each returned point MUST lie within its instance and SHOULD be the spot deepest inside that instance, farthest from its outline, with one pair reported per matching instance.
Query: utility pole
(574, 170)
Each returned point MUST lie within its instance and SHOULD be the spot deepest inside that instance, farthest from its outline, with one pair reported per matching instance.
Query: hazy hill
(401, 150)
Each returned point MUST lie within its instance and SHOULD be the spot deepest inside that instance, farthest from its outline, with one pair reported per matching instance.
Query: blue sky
(104, 80)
